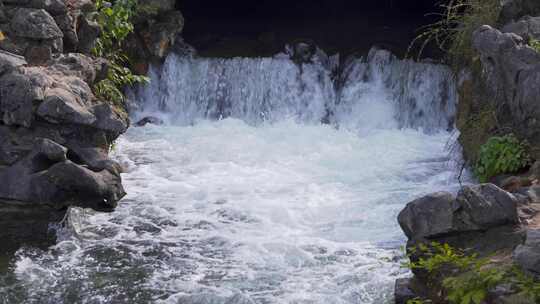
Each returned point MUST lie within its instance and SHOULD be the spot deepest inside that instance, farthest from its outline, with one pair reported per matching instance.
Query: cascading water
(270, 182)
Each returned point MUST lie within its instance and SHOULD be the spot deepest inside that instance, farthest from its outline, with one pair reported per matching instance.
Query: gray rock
(34, 24)
(511, 72)
(476, 208)
(87, 33)
(485, 206)
(109, 120)
(9, 61)
(46, 177)
(482, 217)
(527, 256)
(429, 216)
(527, 27)
(17, 96)
(62, 106)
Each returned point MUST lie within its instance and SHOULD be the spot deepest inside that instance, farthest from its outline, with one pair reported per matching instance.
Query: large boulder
(476, 208)
(481, 219)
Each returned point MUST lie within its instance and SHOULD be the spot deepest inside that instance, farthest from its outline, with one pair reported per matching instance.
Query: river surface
(268, 183)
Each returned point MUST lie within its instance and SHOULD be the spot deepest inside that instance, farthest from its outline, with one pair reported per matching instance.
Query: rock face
(54, 133)
(504, 93)
(54, 138)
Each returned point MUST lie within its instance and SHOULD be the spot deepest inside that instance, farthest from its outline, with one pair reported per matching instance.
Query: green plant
(418, 301)
(115, 22)
(535, 44)
(472, 286)
(527, 285)
(452, 33)
(501, 154)
(467, 279)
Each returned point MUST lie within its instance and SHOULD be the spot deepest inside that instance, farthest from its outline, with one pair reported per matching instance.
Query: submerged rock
(149, 120)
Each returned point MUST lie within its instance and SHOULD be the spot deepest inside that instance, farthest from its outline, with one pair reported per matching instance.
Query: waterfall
(376, 91)
(270, 182)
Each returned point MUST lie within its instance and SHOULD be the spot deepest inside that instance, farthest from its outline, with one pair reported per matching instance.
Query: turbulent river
(269, 182)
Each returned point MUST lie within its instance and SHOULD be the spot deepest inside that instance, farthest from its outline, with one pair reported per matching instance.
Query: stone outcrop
(54, 133)
(54, 139)
(502, 93)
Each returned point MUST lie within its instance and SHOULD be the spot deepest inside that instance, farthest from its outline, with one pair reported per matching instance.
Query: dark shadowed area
(261, 28)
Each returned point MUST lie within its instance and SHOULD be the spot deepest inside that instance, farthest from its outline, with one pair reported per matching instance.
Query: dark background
(230, 28)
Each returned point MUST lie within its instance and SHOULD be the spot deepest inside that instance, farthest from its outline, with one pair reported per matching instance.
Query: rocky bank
(55, 134)
(500, 94)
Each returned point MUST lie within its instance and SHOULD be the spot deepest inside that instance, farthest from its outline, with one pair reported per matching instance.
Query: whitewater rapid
(269, 183)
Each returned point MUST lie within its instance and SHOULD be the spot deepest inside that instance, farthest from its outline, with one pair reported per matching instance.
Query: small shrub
(499, 155)
(115, 22)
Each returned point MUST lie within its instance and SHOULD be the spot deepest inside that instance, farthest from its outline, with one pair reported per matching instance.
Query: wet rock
(47, 177)
(22, 224)
(527, 256)
(149, 120)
